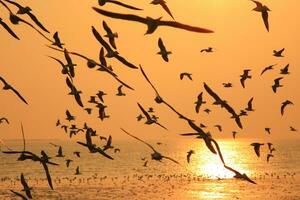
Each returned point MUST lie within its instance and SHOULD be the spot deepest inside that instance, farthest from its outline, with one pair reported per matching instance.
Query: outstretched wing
(166, 157)
(47, 174)
(166, 8)
(265, 16)
(19, 95)
(8, 29)
(144, 112)
(124, 5)
(184, 26)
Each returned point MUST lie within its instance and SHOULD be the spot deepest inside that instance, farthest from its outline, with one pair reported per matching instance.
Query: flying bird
(19, 195)
(227, 85)
(276, 84)
(270, 67)
(60, 152)
(293, 129)
(26, 188)
(285, 70)
(268, 130)
(257, 147)
(74, 92)
(284, 104)
(163, 4)
(163, 51)
(278, 53)
(77, 153)
(57, 41)
(152, 24)
(77, 171)
(120, 92)
(234, 134)
(70, 117)
(189, 153)
(185, 74)
(219, 127)
(103, 2)
(250, 108)
(264, 12)
(140, 117)
(245, 76)
(68, 161)
(199, 102)
(6, 27)
(207, 50)
(2, 119)
(269, 156)
(7, 86)
(111, 36)
(108, 144)
(100, 95)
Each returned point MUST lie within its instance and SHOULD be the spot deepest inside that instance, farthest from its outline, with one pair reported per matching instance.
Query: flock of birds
(108, 50)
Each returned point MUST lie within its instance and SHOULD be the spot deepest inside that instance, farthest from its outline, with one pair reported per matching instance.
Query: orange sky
(240, 39)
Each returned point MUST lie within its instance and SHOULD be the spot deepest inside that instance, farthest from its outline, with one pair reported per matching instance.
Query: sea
(133, 175)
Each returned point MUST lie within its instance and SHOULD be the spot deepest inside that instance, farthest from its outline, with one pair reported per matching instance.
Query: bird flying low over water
(103, 2)
(163, 5)
(155, 155)
(151, 23)
(257, 147)
(284, 104)
(111, 36)
(6, 27)
(163, 51)
(239, 175)
(245, 76)
(270, 67)
(7, 86)
(276, 84)
(278, 53)
(264, 12)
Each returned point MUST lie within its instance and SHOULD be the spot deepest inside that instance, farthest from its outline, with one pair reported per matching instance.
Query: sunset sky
(240, 39)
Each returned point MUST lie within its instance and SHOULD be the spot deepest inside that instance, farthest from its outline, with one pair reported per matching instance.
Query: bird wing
(19, 95)
(218, 149)
(280, 51)
(184, 26)
(250, 103)
(161, 45)
(181, 76)
(37, 22)
(166, 8)
(166, 157)
(19, 194)
(161, 125)
(256, 149)
(144, 112)
(102, 57)
(242, 80)
(265, 16)
(101, 40)
(125, 62)
(47, 174)
(258, 4)
(8, 29)
(124, 5)
(282, 108)
(109, 32)
(146, 77)
(99, 150)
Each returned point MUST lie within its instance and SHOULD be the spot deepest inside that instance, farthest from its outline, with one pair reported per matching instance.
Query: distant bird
(103, 2)
(103, 138)
(7, 86)
(199, 102)
(219, 127)
(163, 51)
(100, 95)
(149, 119)
(154, 117)
(189, 153)
(257, 147)
(284, 104)
(268, 130)
(58, 123)
(145, 163)
(68, 161)
(270, 67)
(88, 110)
(269, 156)
(70, 117)
(278, 53)
(77, 153)
(155, 155)
(6, 27)
(285, 70)
(234, 134)
(227, 85)
(264, 12)
(108, 144)
(77, 171)
(185, 74)
(139, 117)
(239, 175)
(245, 76)
(116, 150)
(92, 100)
(243, 113)
(110, 35)
(26, 188)
(151, 23)
(163, 4)
(57, 41)
(250, 108)
(76, 93)
(207, 50)
(293, 129)
(150, 110)
(60, 152)
(270, 145)
(207, 110)
(276, 84)
(2, 119)
(120, 92)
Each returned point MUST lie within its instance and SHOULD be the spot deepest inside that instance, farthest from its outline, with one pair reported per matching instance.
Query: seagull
(267, 69)
(120, 93)
(293, 129)
(189, 153)
(268, 130)
(245, 76)
(100, 95)
(264, 12)
(103, 2)
(207, 110)
(70, 117)
(208, 50)
(6, 27)
(149, 119)
(199, 102)
(250, 108)
(155, 155)
(2, 119)
(65, 69)
(285, 70)
(140, 117)
(163, 5)
(77, 153)
(26, 187)
(268, 157)
(185, 74)
(60, 152)
(57, 41)
(276, 84)
(150, 110)
(151, 23)
(7, 86)
(77, 171)
(284, 104)
(88, 110)
(68, 161)
(163, 51)
(74, 92)
(108, 144)
(110, 35)
(219, 127)
(257, 147)
(278, 53)
(227, 85)
(239, 175)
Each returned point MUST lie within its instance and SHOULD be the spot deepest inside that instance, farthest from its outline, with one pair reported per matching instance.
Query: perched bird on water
(163, 51)
(278, 53)
(7, 86)
(257, 147)
(264, 12)
(284, 104)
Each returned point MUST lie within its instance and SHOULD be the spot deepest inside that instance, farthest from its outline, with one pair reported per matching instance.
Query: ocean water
(126, 177)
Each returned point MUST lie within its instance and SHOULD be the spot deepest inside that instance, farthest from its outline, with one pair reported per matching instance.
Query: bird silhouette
(60, 152)
(111, 36)
(3, 119)
(268, 130)
(199, 102)
(103, 2)
(57, 41)
(284, 104)
(257, 147)
(249, 107)
(163, 51)
(189, 153)
(269, 156)
(140, 117)
(185, 74)
(26, 188)
(7, 86)
(278, 53)
(276, 84)
(77, 171)
(120, 92)
(76, 93)
(68, 161)
(8, 29)
(245, 76)
(285, 70)
(264, 12)
(270, 67)
(239, 175)
(293, 129)
(227, 85)
(207, 50)
(219, 127)
(19, 195)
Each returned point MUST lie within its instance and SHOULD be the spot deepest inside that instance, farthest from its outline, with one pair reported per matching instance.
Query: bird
(163, 4)
(57, 41)
(77, 171)
(207, 50)
(264, 12)
(249, 107)
(219, 127)
(92, 100)
(227, 85)
(150, 110)
(76, 93)
(77, 153)
(199, 102)
(154, 117)
(185, 74)
(284, 104)
(270, 145)
(8, 29)
(149, 119)
(268, 130)
(145, 163)
(234, 134)
(245, 76)
(140, 117)
(111, 36)
(163, 51)
(120, 92)
(269, 156)
(116, 150)
(7, 86)
(88, 110)
(257, 147)
(276, 84)
(189, 153)
(152, 24)
(103, 2)
(293, 129)
(285, 70)
(239, 175)
(155, 155)
(19, 195)
(70, 117)
(68, 161)
(103, 138)
(108, 144)
(278, 53)
(100, 95)
(60, 152)
(26, 188)
(270, 67)
(2, 119)
(207, 110)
